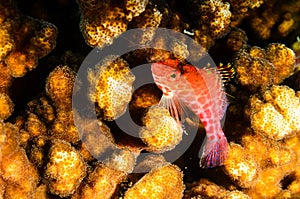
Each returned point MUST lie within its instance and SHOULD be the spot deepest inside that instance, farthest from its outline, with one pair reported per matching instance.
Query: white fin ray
(178, 110)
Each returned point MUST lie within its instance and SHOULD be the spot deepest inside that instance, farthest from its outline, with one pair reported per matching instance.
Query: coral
(101, 183)
(102, 22)
(214, 18)
(65, 169)
(162, 182)
(241, 166)
(121, 160)
(99, 29)
(205, 188)
(277, 114)
(92, 133)
(236, 195)
(150, 162)
(282, 58)
(25, 40)
(135, 7)
(275, 163)
(111, 86)
(251, 142)
(276, 19)
(40, 192)
(237, 39)
(42, 108)
(144, 97)
(63, 126)
(54, 151)
(259, 68)
(34, 126)
(267, 184)
(59, 86)
(214, 22)
(20, 176)
(161, 132)
(241, 9)
(5, 78)
(6, 106)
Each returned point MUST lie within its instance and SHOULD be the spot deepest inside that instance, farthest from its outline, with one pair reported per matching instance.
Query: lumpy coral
(101, 183)
(161, 131)
(260, 68)
(6, 106)
(275, 19)
(50, 149)
(277, 115)
(241, 9)
(162, 182)
(214, 22)
(101, 22)
(25, 40)
(59, 86)
(18, 175)
(111, 86)
(241, 166)
(65, 169)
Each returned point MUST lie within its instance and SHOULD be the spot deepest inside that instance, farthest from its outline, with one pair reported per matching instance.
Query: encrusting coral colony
(44, 154)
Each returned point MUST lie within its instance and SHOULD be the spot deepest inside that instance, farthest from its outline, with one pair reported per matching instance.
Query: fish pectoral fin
(178, 110)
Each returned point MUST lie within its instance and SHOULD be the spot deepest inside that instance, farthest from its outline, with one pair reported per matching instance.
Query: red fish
(201, 90)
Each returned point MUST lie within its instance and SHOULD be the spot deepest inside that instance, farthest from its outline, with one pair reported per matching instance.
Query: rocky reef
(63, 136)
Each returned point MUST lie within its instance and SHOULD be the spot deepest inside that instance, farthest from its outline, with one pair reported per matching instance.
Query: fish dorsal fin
(216, 91)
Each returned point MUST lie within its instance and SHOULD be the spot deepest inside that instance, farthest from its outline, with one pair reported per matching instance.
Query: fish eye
(173, 75)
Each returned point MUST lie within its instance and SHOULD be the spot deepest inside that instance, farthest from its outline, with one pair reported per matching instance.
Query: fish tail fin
(213, 152)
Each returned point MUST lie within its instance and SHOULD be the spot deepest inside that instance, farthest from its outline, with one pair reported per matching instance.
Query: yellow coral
(236, 195)
(6, 106)
(268, 184)
(241, 166)
(258, 146)
(111, 86)
(260, 68)
(2, 187)
(161, 132)
(161, 183)
(279, 116)
(283, 59)
(5, 77)
(216, 15)
(101, 183)
(59, 86)
(93, 133)
(43, 108)
(63, 126)
(121, 160)
(237, 39)
(34, 126)
(102, 26)
(136, 7)
(32, 39)
(6, 43)
(40, 192)
(206, 188)
(20, 175)
(65, 169)
(253, 70)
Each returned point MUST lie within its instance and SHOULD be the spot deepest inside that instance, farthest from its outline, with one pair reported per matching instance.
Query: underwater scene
(150, 99)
